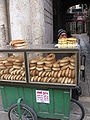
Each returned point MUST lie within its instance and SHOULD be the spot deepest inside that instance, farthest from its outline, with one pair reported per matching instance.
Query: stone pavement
(85, 98)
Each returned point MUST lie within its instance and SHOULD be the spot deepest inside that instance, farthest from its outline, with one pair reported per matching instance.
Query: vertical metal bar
(26, 67)
(19, 108)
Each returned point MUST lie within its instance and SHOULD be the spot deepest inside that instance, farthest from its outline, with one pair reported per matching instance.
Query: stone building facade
(31, 20)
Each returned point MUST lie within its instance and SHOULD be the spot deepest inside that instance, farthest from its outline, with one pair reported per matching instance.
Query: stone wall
(20, 23)
(3, 21)
(31, 20)
(48, 16)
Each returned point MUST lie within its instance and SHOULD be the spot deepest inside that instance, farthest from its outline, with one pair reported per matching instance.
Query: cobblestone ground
(85, 98)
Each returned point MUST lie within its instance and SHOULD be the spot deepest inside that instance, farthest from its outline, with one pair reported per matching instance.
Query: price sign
(42, 96)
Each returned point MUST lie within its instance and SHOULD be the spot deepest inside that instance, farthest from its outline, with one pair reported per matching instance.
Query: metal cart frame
(23, 90)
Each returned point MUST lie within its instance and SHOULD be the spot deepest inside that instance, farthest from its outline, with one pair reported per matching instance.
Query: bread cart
(36, 81)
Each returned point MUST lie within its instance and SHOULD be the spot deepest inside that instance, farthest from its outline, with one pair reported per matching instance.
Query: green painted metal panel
(58, 101)
(59, 106)
(28, 98)
(66, 103)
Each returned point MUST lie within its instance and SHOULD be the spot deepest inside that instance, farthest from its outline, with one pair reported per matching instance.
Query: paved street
(85, 98)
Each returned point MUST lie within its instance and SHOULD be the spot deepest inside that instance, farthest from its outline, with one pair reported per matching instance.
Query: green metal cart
(29, 100)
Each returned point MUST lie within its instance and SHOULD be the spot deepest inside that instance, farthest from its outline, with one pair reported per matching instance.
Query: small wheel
(77, 111)
(27, 113)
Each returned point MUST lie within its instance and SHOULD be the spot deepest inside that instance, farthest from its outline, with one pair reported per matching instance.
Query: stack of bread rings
(12, 68)
(48, 69)
(18, 43)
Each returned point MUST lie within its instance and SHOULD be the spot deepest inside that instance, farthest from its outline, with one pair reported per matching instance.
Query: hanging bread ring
(50, 57)
(64, 60)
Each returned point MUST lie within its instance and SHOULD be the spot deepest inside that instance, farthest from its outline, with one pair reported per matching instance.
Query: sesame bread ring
(23, 74)
(2, 67)
(55, 69)
(47, 74)
(47, 68)
(63, 80)
(17, 78)
(39, 69)
(42, 80)
(50, 62)
(72, 82)
(50, 57)
(45, 79)
(71, 67)
(59, 73)
(63, 64)
(49, 65)
(49, 79)
(59, 80)
(20, 45)
(10, 59)
(20, 78)
(73, 73)
(17, 63)
(40, 66)
(69, 80)
(32, 79)
(56, 65)
(70, 73)
(64, 60)
(39, 79)
(35, 60)
(32, 65)
(35, 78)
(1, 72)
(33, 72)
(56, 74)
(9, 77)
(40, 73)
(37, 72)
(73, 64)
(13, 42)
(6, 71)
(9, 67)
(43, 74)
(64, 67)
(16, 66)
(72, 60)
(52, 73)
(54, 80)
(19, 60)
(2, 77)
(40, 62)
(63, 73)
(66, 81)
(67, 72)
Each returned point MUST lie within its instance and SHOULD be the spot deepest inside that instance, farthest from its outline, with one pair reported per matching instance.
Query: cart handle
(83, 61)
(18, 106)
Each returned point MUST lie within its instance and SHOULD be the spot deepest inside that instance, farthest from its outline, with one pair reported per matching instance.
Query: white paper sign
(42, 96)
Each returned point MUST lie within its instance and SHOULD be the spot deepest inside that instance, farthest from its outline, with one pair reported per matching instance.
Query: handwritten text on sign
(42, 96)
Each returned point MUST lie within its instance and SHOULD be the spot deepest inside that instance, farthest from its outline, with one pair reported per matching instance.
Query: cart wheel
(27, 113)
(77, 111)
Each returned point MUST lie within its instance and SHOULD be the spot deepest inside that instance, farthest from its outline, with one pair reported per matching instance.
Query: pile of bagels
(18, 43)
(12, 68)
(48, 69)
